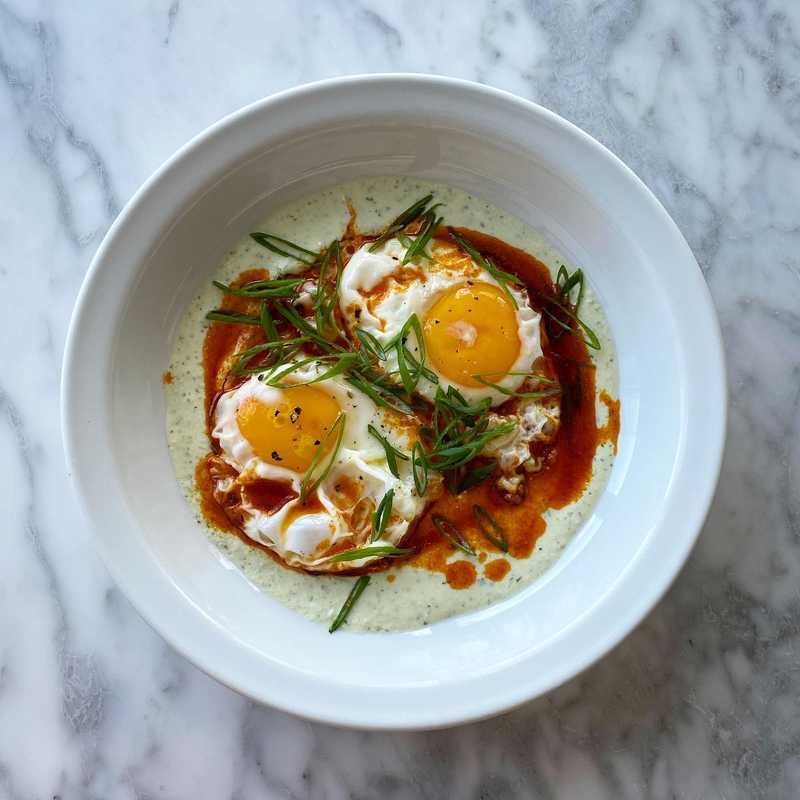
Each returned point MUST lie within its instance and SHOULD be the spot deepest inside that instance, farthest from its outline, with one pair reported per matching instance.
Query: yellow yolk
(288, 434)
(472, 330)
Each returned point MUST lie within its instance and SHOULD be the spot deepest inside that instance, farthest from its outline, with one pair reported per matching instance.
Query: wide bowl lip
(475, 709)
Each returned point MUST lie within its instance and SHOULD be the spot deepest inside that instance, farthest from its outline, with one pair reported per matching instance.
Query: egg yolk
(472, 330)
(288, 434)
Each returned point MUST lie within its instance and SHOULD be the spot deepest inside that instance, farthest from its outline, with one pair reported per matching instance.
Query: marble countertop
(702, 100)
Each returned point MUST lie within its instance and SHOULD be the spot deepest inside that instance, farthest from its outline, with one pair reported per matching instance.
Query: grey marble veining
(702, 100)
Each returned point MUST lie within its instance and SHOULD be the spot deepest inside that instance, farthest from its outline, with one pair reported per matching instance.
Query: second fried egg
(475, 332)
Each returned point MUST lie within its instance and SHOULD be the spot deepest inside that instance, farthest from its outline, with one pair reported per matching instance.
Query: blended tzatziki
(406, 596)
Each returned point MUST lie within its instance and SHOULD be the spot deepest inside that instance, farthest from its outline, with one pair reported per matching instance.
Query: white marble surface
(702, 99)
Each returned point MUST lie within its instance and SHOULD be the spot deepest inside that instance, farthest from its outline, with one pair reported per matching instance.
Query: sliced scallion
(590, 339)
(284, 247)
(452, 534)
(347, 607)
(381, 515)
(419, 468)
(475, 477)
(382, 550)
(392, 453)
(402, 220)
(503, 278)
(219, 315)
(317, 470)
(491, 529)
(282, 287)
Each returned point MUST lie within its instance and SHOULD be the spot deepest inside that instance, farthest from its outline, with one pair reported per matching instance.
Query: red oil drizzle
(497, 570)
(460, 574)
(610, 431)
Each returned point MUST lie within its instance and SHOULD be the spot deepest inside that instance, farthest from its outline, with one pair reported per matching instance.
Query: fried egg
(470, 325)
(270, 437)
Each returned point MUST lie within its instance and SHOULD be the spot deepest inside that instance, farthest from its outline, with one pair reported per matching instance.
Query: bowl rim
(478, 708)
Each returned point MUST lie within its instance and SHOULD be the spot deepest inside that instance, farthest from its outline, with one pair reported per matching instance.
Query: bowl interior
(523, 160)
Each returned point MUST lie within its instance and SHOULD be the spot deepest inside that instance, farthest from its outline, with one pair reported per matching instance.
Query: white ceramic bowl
(529, 162)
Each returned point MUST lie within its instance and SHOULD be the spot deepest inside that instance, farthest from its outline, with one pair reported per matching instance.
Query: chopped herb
(590, 339)
(327, 295)
(305, 327)
(419, 468)
(383, 550)
(565, 283)
(553, 389)
(276, 351)
(392, 453)
(317, 472)
(402, 220)
(417, 248)
(347, 607)
(341, 362)
(370, 344)
(452, 534)
(410, 368)
(417, 368)
(457, 434)
(380, 391)
(503, 278)
(267, 323)
(475, 477)
(219, 315)
(490, 527)
(282, 287)
(287, 248)
(380, 518)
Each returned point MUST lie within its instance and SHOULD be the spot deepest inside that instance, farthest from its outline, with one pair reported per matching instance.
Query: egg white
(405, 297)
(534, 422)
(306, 539)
